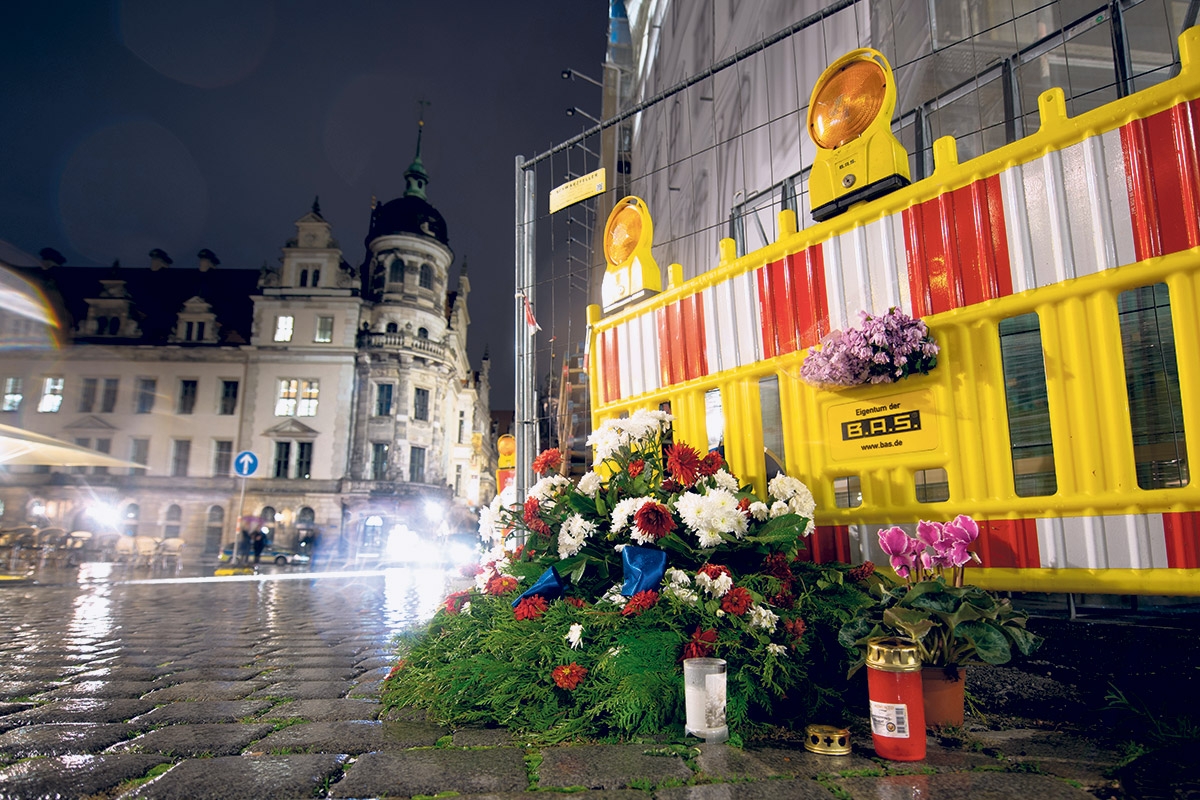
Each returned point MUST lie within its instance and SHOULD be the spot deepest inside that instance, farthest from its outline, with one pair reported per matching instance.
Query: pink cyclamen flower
(896, 543)
(959, 535)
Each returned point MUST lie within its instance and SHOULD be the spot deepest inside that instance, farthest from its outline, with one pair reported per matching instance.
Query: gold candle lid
(893, 654)
(827, 740)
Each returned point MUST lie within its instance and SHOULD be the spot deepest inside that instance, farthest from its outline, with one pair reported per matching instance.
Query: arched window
(422, 333)
(213, 533)
(305, 516)
(304, 277)
(101, 324)
(426, 276)
(268, 522)
(392, 327)
(396, 272)
(114, 326)
(174, 517)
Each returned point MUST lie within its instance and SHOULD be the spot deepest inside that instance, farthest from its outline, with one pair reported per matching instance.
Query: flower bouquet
(953, 624)
(593, 594)
(883, 350)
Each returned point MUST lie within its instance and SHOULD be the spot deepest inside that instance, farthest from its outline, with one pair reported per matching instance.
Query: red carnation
(736, 601)
(455, 602)
(701, 645)
(640, 602)
(547, 461)
(714, 571)
(654, 519)
(578, 602)
(501, 584)
(862, 571)
(683, 462)
(711, 464)
(635, 467)
(531, 607)
(568, 676)
(533, 518)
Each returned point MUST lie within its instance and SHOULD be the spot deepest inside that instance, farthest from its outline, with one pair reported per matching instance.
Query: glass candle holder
(704, 698)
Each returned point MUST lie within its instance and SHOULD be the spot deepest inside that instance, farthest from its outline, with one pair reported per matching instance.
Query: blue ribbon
(644, 568)
(549, 586)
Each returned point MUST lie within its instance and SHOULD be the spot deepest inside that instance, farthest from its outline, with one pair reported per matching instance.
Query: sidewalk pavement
(268, 689)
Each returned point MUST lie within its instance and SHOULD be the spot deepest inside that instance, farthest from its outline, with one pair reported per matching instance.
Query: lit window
(283, 328)
(297, 398)
(144, 402)
(324, 329)
(12, 394)
(52, 392)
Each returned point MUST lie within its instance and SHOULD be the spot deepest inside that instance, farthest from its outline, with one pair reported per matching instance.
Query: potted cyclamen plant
(954, 624)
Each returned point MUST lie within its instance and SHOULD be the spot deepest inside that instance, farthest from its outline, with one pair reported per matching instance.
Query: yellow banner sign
(882, 426)
(581, 188)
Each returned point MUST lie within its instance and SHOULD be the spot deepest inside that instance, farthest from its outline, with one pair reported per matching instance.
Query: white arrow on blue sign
(244, 463)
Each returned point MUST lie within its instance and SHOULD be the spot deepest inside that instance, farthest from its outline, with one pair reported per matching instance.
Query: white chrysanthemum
(548, 488)
(573, 535)
(677, 577)
(491, 523)
(776, 649)
(784, 487)
(708, 539)
(722, 513)
(690, 507)
(725, 481)
(466, 608)
(615, 597)
(763, 617)
(760, 511)
(779, 508)
(574, 636)
(606, 440)
(624, 511)
(717, 587)
(682, 593)
(590, 483)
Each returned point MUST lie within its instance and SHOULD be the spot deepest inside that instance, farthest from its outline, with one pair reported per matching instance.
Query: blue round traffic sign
(244, 463)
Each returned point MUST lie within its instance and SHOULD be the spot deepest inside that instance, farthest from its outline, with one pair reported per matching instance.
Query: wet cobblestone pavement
(116, 685)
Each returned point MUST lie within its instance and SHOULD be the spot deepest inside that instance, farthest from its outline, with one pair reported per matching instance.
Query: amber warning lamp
(850, 121)
(632, 272)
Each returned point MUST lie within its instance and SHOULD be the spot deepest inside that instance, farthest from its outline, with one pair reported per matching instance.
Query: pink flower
(896, 543)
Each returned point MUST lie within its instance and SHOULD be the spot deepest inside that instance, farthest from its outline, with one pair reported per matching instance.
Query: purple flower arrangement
(938, 546)
(883, 349)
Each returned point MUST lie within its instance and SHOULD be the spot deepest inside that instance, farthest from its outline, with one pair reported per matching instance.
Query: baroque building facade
(351, 386)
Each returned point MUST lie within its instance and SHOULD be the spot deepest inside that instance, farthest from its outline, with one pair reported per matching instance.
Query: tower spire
(415, 175)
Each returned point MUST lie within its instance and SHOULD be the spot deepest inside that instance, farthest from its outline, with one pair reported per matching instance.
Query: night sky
(138, 124)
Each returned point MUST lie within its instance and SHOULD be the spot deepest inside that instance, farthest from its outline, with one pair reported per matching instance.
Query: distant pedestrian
(243, 547)
(260, 541)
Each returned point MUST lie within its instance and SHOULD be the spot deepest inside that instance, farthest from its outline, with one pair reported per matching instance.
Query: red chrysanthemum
(568, 676)
(501, 584)
(795, 627)
(531, 607)
(744, 507)
(784, 597)
(683, 462)
(654, 519)
(455, 601)
(776, 565)
(701, 645)
(711, 464)
(533, 517)
(635, 467)
(578, 602)
(736, 601)
(862, 571)
(548, 460)
(640, 602)
(670, 486)
(714, 571)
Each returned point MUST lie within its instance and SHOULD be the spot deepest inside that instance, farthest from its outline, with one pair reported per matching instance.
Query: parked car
(269, 554)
